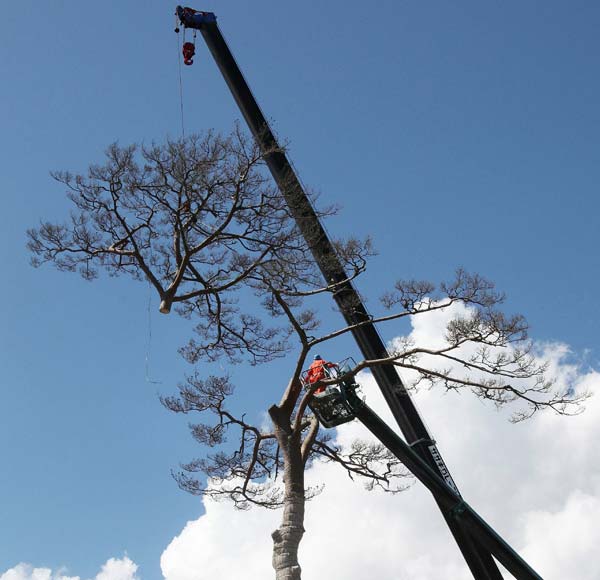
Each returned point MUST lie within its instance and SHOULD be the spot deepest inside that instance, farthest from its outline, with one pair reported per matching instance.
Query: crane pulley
(191, 18)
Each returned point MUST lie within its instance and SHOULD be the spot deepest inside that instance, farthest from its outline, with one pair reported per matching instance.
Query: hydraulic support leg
(453, 506)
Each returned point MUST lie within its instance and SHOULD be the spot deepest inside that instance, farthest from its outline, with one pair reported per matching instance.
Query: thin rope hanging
(149, 339)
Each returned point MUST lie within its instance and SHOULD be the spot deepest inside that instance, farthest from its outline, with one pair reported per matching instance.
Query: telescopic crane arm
(347, 298)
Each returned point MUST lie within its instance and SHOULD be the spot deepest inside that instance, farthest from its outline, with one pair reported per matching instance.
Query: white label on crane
(442, 468)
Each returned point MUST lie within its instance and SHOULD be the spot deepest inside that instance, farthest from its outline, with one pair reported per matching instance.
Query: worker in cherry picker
(319, 370)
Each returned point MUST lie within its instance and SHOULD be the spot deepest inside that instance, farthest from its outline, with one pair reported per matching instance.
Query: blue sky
(457, 134)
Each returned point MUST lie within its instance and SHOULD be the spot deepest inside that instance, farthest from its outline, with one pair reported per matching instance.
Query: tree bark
(287, 538)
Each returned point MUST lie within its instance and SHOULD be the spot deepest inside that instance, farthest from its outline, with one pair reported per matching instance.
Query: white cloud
(566, 540)
(113, 569)
(224, 543)
(537, 483)
(118, 569)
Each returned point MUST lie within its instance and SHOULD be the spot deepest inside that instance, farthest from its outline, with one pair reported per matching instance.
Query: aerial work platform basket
(330, 405)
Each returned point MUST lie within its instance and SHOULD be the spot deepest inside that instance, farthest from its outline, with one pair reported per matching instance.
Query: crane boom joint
(191, 18)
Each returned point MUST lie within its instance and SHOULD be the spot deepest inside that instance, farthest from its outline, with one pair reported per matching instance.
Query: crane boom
(371, 345)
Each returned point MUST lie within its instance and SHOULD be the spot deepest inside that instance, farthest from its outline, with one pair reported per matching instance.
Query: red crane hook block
(189, 50)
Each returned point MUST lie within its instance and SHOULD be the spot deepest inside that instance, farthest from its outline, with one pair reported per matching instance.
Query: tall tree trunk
(286, 538)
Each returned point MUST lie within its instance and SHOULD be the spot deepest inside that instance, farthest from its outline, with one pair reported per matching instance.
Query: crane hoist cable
(179, 53)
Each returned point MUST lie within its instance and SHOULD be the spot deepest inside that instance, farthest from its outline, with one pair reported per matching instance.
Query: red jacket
(317, 372)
